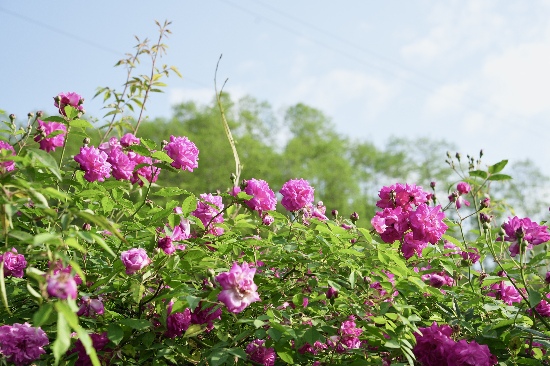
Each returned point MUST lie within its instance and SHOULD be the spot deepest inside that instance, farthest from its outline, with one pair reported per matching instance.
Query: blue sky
(473, 72)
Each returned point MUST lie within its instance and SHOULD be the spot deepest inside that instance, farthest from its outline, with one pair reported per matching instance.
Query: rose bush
(94, 270)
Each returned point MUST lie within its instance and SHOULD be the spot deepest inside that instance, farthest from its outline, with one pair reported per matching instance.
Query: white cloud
(447, 99)
(519, 78)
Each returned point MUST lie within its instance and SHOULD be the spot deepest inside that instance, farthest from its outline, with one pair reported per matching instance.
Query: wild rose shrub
(94, 271)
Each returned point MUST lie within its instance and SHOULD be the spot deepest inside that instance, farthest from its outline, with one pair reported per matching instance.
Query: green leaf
(161, 155)
(193, 302)
(3, 288)
(392, 343)
(169, 192)
(499, 177)
(80, 123)
(534, 298)
(478, 173)
(42, 315)
(497, 167)
(141, 150)
(70, 112)
(193, 330)
(150, 144)
(54, 119)
(72, 320)
(63, 340)
(286, 357)
(45, 160)
(138, 324)
(189, 205)
(115, 333)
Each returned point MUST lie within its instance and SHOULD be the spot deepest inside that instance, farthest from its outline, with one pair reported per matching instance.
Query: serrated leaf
(70, 112)
(478, 173)
(63, 340)
(169, 192)
(138, 324)
(115, 333)
(80, 123)
(141, 150)
(499, 177)
(162, 156)
(42, 315)
(46, 160)
(189, 205)
(534, 298)
(497, 167)
(53, 119)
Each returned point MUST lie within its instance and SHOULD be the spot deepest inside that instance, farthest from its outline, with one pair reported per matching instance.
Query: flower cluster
(505, 292)
(45, 129)
(71, 98)
(406, 217)
(184, 153)
(297, 194)
(14, 263)
(524, 231)
(260, 354)
(8, 165)
(348, 336)
(238, 287)
(435, 347)
(22, 344)
(263, 198)
(99, 342)
(180, 232)
(209, 213)
(134, 260)
(462, 189)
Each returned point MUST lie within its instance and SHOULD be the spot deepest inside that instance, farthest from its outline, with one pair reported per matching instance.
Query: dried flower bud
(432, 184)
(39, 114)
(457, 156)
(30, 115)
(86, 227)
(335, 213)
(486, 202)
(233, 178)
(86, 141)
(354, 217)
(12, 117)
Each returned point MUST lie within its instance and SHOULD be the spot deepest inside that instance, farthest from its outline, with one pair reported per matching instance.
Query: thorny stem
(119, 101)
(238, 166)
(156, 50)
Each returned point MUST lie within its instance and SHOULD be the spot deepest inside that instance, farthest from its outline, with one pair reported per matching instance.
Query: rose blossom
(405, 196)
(121, 164)
(427, 223)
(517, 229)
(433, 345)
(297, 193)
(94, 163)
(71, 98)
(411, 246)
(90, 307)
(209, 214)
(467, 354)
(238, 287)
(14, 263)
(258, 353)
(184, 153)
(504, 292)
(99, 341)
(129, 139)
(177, 323)
(44, 130)
(263, 198)
(8, 165)
(22, 344)
(463, 188)
(148, 171)
(62, 285)
(134, 260)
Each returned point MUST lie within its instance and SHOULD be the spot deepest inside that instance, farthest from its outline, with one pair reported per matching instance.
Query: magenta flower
(406, 196)
(258, 353)
(59, 268)
(148, 171)
(317, 211)
(208, 214)
(62, 285)
(263, 198)
(99, 341)
(134, 260)
(349, 334)
(94, 163)
(543, 307)
(517, 229)
(467, 354)
(90, 307)
(122, 166)
(438, 279)
(7, 165)
(391, 224)
(44, 130)
(22, 344)
(297, 193)
(332, 293)
(177, 323)
(129, 139)
(14, 263)
(472, 255)
(206, 316)
(411, 246)
(110, 145)
(427, 223)
(238, 287)
(184, 153)
(267, 220)
(504, 292)
(71, 98)
(463, 188)
(433, 345)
